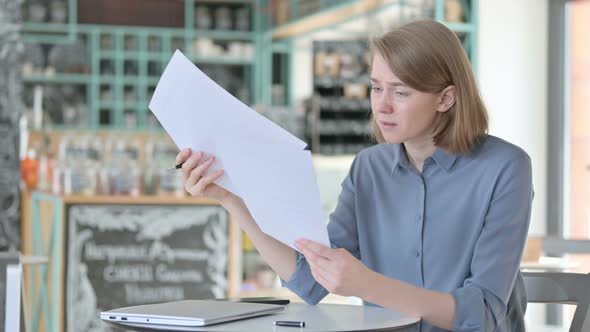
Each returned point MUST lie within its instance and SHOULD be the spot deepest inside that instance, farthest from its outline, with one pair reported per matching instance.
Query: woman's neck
(418, 150)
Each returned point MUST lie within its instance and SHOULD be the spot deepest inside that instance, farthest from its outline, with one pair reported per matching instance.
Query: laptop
(186, 315)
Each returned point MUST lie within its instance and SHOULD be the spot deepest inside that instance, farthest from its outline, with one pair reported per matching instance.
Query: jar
(126, 179)
(242, 19)
(222, 18)
(203, 18)
(169, 183)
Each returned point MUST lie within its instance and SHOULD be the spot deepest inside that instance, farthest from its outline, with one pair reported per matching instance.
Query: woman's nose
(384, 106)
(386, 109)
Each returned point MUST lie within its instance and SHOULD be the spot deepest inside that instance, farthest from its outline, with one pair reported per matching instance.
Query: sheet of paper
(263, 163)
(281, 191)
(198, 113)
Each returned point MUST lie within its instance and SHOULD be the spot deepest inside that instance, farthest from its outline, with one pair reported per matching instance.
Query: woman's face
(402, 113)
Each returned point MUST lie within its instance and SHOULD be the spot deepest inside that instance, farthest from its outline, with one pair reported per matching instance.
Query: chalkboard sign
(122, 255)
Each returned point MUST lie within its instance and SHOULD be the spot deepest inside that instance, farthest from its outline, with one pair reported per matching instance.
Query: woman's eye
(401, 94)
(375, 88)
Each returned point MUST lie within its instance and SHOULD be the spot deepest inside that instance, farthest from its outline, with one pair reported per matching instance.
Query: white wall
(512, 74)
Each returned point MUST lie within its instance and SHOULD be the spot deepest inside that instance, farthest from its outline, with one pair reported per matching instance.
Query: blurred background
(84, 194)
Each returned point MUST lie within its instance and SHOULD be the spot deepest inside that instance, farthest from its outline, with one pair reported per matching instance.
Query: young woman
(432, 221)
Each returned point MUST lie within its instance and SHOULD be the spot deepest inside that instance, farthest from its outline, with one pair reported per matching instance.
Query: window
(577, 127)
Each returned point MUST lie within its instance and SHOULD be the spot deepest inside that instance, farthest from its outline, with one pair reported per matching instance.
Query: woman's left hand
(336, 269)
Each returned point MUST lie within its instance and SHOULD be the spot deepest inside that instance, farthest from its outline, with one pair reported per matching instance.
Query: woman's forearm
(280, 257)
(436, 308)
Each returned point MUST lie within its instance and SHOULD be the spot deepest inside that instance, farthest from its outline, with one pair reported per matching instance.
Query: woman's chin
(393, 139)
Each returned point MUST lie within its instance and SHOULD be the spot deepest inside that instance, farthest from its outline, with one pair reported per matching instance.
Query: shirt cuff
(303, 283)
(469, 310)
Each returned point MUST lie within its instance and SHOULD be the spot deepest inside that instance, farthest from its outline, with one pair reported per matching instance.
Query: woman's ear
(446, 99)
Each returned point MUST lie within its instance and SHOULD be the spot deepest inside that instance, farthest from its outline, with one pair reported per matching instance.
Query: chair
(562, 288)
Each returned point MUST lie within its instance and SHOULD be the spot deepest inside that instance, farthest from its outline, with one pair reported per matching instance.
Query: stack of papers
(264, 164)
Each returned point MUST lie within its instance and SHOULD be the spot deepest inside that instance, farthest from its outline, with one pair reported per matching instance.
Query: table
(549, 264)
(325, 318)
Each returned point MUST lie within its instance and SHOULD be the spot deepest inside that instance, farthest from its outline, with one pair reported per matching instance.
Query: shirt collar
(444, 159)
(400, 158)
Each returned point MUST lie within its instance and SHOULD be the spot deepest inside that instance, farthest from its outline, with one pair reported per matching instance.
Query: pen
(289, 323)
(177, 166)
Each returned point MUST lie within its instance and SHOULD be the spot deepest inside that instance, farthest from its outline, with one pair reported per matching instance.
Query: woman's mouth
(387, 124)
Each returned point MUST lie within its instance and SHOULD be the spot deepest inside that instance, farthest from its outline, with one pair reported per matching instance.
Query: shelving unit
(122, 64)
(131, 73)
(340, 109)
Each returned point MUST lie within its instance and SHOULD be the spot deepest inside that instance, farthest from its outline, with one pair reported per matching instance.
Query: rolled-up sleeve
(481, 302)
(342, 230)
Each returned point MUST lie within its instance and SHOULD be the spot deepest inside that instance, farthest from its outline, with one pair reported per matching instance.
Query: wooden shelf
(151, 200)
(328, 18)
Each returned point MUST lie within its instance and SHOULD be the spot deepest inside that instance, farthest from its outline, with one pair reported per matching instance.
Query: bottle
(57, 179)
(30, 170)
(46, 165)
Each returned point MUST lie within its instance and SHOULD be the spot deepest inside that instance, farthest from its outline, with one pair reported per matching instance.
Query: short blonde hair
(429, 57)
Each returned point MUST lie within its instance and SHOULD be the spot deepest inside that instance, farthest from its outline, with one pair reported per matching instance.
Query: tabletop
(322, 317)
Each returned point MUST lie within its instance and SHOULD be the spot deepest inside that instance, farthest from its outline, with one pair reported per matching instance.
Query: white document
(13, 288)
(258, 156)
(281, 192)
(198, 113)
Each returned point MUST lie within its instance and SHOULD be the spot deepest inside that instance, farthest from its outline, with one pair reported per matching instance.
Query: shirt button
(417, 253)
(419, 217)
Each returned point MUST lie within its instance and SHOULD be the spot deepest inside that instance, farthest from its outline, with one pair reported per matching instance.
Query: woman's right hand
(194, 181)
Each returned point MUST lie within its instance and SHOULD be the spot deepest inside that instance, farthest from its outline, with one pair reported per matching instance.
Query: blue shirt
(459, 227)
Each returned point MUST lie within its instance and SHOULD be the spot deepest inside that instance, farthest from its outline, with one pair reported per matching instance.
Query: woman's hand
(194, 181)
(336, 269)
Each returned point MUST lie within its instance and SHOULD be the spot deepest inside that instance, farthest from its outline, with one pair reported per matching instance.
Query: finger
(183, 155)
(318, 249)
(207, 180)
(312, 257)
(190, 164)
(199, 171)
